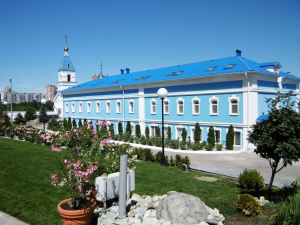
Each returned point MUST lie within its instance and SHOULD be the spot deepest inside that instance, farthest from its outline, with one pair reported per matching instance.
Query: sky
(140, 35)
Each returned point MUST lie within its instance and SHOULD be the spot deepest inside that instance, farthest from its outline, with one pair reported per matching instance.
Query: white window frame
(166, 127)
(73, 106)
(118, 107)
(194, 105)
(153, 132)
(178, 107)
(131, 108)
(67, 107)
(88, 108)
(176, 131)
(213, 98)
(192, 134)
(108, 107)
(230, 99)
(132, 128)
(153, 106)
(98, 106)
(219, 130)
(238, 131)
(166, 112)
(80, 107)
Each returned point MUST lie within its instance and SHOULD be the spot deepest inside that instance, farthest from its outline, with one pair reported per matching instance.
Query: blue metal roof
(66, 64)
(217, 67)
(262, 117)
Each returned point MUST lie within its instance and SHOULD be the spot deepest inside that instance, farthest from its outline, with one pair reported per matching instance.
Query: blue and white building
(218, 93)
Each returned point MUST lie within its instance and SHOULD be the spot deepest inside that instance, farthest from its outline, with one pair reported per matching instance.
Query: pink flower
(56, 149)
(98, 123)
(89, 192)
(79, 188)
(74, 130)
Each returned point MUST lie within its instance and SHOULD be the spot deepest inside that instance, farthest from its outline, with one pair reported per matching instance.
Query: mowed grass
(26, 192)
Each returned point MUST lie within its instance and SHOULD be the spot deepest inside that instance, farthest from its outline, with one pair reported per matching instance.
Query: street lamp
(43, 101)
(162, 93)
(11, 101)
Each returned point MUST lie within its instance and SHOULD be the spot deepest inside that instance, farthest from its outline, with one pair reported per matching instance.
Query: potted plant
(78, 170)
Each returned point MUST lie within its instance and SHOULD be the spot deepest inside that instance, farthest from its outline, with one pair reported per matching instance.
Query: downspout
(123, 108)
(247, 107)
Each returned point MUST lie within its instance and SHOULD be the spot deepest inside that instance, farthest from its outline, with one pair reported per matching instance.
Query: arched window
(69, 77)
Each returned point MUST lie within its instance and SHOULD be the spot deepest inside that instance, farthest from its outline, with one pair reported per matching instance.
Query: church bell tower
(66, 71)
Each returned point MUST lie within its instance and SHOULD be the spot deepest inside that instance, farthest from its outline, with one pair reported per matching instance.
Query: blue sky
(141, 35)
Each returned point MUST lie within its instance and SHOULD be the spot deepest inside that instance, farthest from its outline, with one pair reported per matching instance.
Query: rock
(136, 197)
(212, 221)
(134, 221)
(181, 208)
(203, 223)
(140, 211)
(171, 192)
(150, 213)
(143, 196)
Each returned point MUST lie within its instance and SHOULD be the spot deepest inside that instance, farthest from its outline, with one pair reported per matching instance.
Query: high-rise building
(7, 90)
(50, 92)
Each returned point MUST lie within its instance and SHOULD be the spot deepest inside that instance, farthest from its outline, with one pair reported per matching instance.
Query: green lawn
(26, 192)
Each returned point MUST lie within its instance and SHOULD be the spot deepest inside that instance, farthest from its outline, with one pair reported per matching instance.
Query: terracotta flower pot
(76, 217)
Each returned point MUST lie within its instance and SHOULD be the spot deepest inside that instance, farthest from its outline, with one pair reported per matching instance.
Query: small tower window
(69, 77)
(69, 66)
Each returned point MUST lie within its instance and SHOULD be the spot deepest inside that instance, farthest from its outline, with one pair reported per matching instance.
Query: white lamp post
(43, 101)
(162, 93)
(11, 101)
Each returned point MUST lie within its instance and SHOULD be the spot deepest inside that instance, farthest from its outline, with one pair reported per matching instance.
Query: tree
(211, 139)
(184, 134)
(138, 131)
(197, 134)
(277, 138)
(65, 124)
(169, 133)
(7, 122)
(157, 131)
(19, 119)
(69, 126)
(112, 130)
(74, 123)
(30, 114)
(120, 128)
(43, 117)
(53, 124)
(230, 138)
(79, 123)
(147, 132)
(128, 128)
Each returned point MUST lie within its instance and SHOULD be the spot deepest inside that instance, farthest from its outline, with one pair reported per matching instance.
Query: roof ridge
(243, 61)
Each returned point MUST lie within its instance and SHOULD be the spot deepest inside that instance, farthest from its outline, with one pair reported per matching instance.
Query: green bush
(120, 129)
(197, 133)
(19, 119)
(174, 144)
(219, 147)
(147, 132)
(128, 128)
(138, 131)
(209, 147)
(143, 140)
(211, 139)
(186, 161)
(230, 138)
(183, 145)
(148, 155)
(248, 205)
(169, 133)
(158, 157)
(53, 124)
(251, 179)
(184, 134)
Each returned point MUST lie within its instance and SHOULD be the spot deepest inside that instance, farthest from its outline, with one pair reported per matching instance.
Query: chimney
(122, 71)
(127, 70)
(238, 52)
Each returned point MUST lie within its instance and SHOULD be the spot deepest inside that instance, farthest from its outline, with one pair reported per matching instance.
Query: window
(166, 106)
(166, 127)
(69, 77)
(153, 106)
(117, 81)
(132, 128)
(179, 132)
(153, 130)
(229, 66)
(131, 106)
(108, 107)
(89, 107)
(98, 107)
(196, 106)
(143, 77)
(233, 105)
(211, 68)
(180, 106)
(67, 107)
(214, 105)
(218, 136)
(73, 107)
(118, 106)
(237, 138)
(80, 107)
(174, 74)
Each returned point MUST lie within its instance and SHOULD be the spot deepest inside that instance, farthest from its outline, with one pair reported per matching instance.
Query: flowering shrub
(86, 156)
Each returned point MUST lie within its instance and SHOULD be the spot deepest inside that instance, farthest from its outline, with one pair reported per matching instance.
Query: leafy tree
(7, 122)
(19, 119)
(277, 138)
(169, 133)
(30, 114)
(157, 131)
(211, 137)
(74, 123)
(197, 133)
(147, 132)
(128, 128)
(230, 138)
(120, 128)
(184, 134)
(138, 131)
(43, 117)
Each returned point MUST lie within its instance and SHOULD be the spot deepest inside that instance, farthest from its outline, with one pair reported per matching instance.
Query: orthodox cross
(66, 37)
(101, 67)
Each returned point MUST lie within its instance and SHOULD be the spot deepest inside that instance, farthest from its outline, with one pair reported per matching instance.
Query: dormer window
(211, 68)
(229, 66)
(69, 65)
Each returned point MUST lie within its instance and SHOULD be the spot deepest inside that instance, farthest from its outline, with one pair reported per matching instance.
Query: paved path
(232, 163)
(6, 219)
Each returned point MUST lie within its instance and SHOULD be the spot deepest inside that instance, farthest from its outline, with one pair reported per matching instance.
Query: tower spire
(101, 67)
(66, 47)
